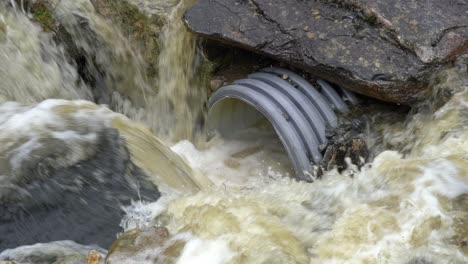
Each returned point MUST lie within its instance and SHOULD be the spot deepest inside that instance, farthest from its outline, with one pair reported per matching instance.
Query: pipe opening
(299, 112)
(236, 120)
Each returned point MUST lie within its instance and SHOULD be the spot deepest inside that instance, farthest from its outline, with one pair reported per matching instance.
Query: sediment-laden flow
(73, 163)
(95, 61)
(229, 202)
(408, 206)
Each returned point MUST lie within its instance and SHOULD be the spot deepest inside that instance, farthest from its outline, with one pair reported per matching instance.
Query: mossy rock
(140, 28)
(152, 244)
(134, 241)
(43, 15)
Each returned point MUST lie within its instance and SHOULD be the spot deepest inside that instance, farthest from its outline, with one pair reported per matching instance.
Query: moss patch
(140, 28)
(43, 13)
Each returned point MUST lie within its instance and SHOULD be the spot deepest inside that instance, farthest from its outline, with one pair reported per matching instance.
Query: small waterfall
(94, 61)
(33, 67)
(182, 94)
(81, 56)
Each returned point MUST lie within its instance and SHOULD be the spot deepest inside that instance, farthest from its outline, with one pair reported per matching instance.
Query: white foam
(199, 251)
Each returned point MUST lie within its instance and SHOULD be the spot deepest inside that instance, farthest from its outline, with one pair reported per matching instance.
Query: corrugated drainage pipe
(298, 111)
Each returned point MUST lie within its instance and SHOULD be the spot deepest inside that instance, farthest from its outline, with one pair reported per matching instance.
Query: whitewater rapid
(407, 206)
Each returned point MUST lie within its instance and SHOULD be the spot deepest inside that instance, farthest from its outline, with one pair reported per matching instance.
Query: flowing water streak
(114, 67)
(33, 68)
(112, 71)
(77, 124)
(171, 104)
(182, 93)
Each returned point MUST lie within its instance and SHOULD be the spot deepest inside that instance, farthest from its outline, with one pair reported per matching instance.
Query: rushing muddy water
(223, 201)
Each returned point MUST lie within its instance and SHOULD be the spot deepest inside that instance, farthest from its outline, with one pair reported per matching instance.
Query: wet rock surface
(59, 252)
(382, 49)
(152, 244)
(52, 197)
(140, 28)
(104, 62)
(345, 146)
(135, 242)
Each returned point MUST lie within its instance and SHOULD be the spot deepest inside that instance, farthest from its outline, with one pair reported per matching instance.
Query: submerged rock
(68, 169)
(82, 202)
(64, 179)
(135, 242)
(147, 245)
(383, 49)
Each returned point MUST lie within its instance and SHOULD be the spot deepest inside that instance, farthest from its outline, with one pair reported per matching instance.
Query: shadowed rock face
(385, 49)
(80, 202)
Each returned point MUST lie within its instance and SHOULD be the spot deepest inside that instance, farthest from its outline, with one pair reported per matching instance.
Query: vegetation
(141, 29)
(43, 13)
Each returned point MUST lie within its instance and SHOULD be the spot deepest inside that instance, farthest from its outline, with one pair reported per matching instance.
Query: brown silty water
(231, 200)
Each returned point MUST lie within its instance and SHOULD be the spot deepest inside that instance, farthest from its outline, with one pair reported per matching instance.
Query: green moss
(205, 71)
(43, 14)
(140, 28)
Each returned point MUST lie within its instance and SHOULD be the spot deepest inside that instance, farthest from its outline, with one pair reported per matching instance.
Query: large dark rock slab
(49, 200)
(386, 49)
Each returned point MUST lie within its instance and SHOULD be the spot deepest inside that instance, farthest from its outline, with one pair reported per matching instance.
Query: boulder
(386, 49)
(134, 241)
(52, 197)
(151, 243)
(57, 252)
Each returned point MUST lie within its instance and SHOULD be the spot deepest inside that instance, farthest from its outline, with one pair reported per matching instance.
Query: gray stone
(57, 252)
(386, 49)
